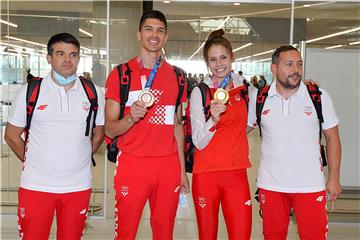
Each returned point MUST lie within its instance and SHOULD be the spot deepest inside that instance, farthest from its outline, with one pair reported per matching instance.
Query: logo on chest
(266, 112)
(308, 110)
(42, 107)
(237, 97)
(86, 106)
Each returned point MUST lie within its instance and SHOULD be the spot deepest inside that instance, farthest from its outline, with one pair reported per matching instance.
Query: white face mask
(63, 80)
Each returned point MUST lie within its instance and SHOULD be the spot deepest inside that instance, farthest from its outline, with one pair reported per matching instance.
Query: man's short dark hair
(153, 14)
(284, 48)
(62, 37)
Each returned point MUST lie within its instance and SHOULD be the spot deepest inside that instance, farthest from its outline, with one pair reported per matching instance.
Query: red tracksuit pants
(231, 189)
(309, 209)
(137, 180)
(36, 213)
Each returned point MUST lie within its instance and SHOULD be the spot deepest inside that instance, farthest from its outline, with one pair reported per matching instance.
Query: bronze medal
(147, 98)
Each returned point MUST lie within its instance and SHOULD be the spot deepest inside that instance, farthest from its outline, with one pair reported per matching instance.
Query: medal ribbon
(224, 82)
(152, 75)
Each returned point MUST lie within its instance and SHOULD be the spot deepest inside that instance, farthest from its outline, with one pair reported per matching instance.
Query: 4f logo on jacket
(266, 112)
(42, 107)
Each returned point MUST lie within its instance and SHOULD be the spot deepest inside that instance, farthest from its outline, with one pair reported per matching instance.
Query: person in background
(201, 77)
(191, 83)
(221, 154)
(87, 75)
(254, 81)
(261, 82)
(29, 76)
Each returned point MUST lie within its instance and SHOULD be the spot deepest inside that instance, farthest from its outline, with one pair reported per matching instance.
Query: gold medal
(147, 98)
(221, 95)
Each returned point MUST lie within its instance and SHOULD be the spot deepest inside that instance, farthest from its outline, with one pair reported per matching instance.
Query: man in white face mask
(56, 174)
(64, 59)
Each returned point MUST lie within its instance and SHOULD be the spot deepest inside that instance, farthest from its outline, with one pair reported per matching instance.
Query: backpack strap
(244, 92)
(206, 97)
(181, 79)
(315, 95)
(124, 89)
(32, 95)
(260, 101)
(91, 94)
(125, 79)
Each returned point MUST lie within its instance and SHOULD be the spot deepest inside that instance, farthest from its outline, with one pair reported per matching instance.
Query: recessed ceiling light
(309, 19)
(307, 5)
(236, 4)
(85, 32)
(262, 53)
(25, 41)
(242, 58)
(8, 23)
(333, 35)
(167, 1)
(242, 47)
(354, 43)
(336, 46)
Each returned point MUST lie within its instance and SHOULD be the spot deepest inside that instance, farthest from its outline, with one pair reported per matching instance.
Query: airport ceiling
(264, 25)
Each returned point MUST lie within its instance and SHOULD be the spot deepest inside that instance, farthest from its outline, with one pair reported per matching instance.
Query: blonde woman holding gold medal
(221, 157)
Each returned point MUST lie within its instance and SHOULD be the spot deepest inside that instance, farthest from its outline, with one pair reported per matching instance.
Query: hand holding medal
(216, 109)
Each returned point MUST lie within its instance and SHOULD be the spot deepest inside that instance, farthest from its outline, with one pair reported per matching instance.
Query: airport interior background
(326, 32)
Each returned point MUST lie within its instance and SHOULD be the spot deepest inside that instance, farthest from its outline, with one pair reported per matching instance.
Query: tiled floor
(185, 226)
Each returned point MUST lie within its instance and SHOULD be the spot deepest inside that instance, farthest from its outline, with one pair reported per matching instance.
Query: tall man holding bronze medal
(150, 163)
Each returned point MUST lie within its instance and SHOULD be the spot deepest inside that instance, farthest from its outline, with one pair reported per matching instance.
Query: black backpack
(206, 97)
(315, 95)
(32, 95)
(125, 80)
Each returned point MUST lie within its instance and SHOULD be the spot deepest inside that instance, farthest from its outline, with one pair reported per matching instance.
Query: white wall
(337, 71)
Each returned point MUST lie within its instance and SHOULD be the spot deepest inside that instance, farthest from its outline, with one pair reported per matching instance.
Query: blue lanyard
(154, 70)
(225, 82)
